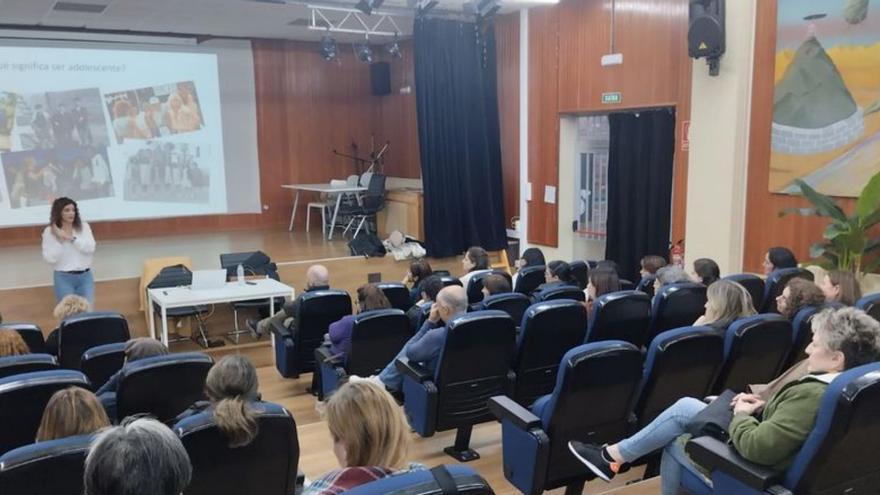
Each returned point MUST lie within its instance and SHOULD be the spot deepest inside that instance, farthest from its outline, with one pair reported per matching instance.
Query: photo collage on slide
(59, 143)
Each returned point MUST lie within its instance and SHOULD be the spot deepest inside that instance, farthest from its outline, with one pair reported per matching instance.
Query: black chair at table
(295, 347)
(265, 466)
(371, 203)
(253, 263)
(163, 386)
(529, 278)
(53, 467)
(177, 276)
(26, 363)
(775, 284)
(397, 294)
(30, 333)
(623, 315)
(81, 332)
(549, 330)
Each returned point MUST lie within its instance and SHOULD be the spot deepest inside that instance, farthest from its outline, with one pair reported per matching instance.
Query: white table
(180, 297)
(321, 188)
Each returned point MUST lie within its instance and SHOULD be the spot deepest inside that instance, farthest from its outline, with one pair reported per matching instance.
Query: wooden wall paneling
(764, 228)
(397, 119)
(507, 68)
(543, 166)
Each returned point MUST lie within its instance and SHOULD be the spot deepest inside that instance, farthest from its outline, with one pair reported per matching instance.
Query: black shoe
(252, 326)
(591, 456)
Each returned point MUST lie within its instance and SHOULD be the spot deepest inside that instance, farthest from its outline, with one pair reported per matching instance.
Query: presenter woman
(68, 244)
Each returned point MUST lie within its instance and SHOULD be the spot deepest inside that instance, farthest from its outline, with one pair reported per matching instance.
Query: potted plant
(848, 239)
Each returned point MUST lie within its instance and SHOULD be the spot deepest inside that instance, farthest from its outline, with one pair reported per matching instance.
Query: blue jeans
(662, 434)
(81, 284)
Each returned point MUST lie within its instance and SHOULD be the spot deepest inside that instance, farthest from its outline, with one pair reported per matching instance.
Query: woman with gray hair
(139, 457)
(669, 274)
(769, 433)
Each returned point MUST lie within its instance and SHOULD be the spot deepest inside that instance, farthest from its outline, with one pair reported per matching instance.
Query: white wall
(719, 144)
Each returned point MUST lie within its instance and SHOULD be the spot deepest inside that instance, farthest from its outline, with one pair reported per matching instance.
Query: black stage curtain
(639, 187)
(459, 140)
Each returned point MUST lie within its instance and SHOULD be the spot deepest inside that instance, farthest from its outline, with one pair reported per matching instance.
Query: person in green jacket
(768, 433)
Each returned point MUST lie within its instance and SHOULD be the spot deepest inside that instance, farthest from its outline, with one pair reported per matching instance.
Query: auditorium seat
(512, 303)
(870, 304)
(26, 363)
(467, 481)
(31, 334)
(802, 335)
(775, 284)
(680, 363)
(553, 293)
(591, 401)
(474, 365)
(23, 398)
(81, 332)
(549, 330)
(449, 280)
(529, 278)
(755, 350)
(677, 305)
(53, 467)
(646, 285)
(753, 284)
(627, 284)
(581, 272)
(266, 466)
(295, 351)
(397, 294)
(838, 457)
(622, 315)
(475, 284)
(163, 386)
(376, 338)
(102, 362)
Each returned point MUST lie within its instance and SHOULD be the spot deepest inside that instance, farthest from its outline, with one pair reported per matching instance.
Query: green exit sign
(611, 98)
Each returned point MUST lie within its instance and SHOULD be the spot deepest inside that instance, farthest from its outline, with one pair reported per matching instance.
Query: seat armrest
(278, 328)
(323, 354)
(413, 370)
(503, 407)
(715, 455)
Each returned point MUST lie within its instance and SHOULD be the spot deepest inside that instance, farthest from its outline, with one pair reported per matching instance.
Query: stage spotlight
(328, 48)
(367, 6)
(394, 48)
(424, 6)
(363, 51)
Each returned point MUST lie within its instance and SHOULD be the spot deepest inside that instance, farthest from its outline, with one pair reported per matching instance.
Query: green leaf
(818, 250)
(869, 199)
(825, 206)
(870, 221)
(835, 229)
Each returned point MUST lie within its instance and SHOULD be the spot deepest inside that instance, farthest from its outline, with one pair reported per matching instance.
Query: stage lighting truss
(353, 21)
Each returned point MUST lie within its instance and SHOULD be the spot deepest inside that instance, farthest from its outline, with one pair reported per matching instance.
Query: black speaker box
(380, 78)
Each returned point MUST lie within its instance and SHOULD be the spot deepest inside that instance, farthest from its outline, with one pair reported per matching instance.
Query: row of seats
(163, 386)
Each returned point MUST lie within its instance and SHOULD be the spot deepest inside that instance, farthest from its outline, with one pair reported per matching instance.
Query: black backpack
(367, 245)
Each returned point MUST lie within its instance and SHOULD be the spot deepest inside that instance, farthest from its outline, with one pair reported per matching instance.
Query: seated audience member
(11, 344)
(602, 281)
(726, 302)
(840, 286)
(430, 287)
(670, 274)
(70, 412)
(317, 278)
(135, 350)
(418, 271)
(608, 264)
(778, 257)
(370, 438)
(495, 284)
(476, 259)
(70, 305)
(767, 433)
(706, 272)
(425, 346)
(231, 387)
(141, 456)
(530, 257)
(557, 273)
(798, 294)
(369, 298)
(650, 264)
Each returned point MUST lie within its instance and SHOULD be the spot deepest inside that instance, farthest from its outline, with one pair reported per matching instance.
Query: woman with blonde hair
(840, 286)
(232, 388)
(11, 344)
(726, 302)
(70, 412)
(370, 438)
(70, 305)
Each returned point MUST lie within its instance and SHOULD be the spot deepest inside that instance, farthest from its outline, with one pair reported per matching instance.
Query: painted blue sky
(831, 30)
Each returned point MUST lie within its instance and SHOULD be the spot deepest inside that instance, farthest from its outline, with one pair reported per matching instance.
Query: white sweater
(69, 256)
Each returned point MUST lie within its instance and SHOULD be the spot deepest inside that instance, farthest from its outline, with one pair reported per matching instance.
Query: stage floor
(23, 266)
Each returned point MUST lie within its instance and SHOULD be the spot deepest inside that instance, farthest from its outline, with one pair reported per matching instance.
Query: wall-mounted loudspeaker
(380, 78)
(706, 32)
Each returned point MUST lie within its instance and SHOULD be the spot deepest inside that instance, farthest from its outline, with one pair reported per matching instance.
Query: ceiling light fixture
(394, 48)
(368, 6)
(363, 51)
(328, 48)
